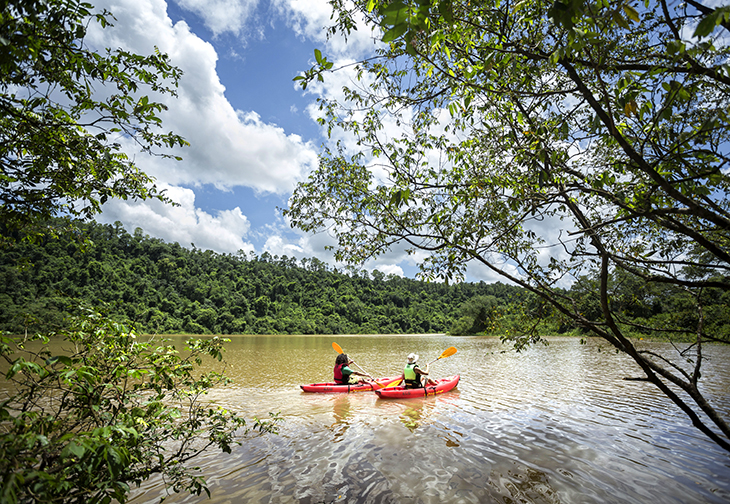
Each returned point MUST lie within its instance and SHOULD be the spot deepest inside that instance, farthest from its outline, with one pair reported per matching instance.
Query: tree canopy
(164, 288)
(86, 424)
(556, 143)
(65, 108)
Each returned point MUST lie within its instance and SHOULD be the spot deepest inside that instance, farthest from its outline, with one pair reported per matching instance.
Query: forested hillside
(166, 288)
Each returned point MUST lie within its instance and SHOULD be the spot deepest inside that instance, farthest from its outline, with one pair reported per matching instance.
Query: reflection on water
(410, 417)
(341, 413)
(555, 424)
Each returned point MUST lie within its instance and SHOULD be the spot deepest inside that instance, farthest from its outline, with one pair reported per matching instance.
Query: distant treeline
(165, 288)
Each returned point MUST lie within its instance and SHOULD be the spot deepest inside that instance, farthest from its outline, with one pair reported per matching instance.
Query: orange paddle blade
(448, 352)
(338, 348)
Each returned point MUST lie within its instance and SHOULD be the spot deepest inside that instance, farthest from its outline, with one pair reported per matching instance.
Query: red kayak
(399, 392)
(333, 387)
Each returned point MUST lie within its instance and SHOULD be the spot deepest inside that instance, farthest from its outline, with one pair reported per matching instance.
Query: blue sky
(252, 130)
(257, 69)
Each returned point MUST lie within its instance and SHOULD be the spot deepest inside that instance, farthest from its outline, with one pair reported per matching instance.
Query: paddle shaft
(361, 369)
(338, 349)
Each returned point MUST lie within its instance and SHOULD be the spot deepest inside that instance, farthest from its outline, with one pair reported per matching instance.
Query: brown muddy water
(554, 424)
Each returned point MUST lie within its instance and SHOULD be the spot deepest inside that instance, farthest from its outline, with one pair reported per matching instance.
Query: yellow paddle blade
(448, 352)
(338, 348)
(393, 384)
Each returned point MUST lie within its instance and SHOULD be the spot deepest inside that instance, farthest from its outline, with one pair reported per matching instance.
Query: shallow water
(555, 424)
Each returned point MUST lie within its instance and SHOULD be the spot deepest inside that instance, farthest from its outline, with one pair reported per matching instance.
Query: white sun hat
(412, 358)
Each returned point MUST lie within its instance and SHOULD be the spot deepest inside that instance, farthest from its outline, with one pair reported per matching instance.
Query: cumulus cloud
(184, 223)
(229, 147)
(221, 16)
(388, 269)
(310, 19)
(278, 246)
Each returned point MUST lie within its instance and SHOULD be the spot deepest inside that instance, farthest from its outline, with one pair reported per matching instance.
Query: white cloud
(298, 244)
(388, 269)
(222, 16)
(232, 147)
(477, 271)
(228, 147)
(311, 18)
(303, 245)
(277, 246)
(184, 224)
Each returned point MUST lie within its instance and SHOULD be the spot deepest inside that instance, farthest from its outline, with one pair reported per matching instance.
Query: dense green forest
(166, 288)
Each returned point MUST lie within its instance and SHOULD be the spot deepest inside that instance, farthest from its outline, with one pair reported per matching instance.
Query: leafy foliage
(478, 315)
(165, 288)
(568, 142)
(65, 108)
(85, 425)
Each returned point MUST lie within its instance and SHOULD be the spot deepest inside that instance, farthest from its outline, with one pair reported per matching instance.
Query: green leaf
(619, 20)
(395, 32)
(395, 13)
(63, 359)
(446, 10)
(676, 47)
(631, 13)
(21, 365)
(706, 25)
(73, 449)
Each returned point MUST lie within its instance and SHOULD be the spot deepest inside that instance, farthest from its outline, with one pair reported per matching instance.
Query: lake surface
(555, 424)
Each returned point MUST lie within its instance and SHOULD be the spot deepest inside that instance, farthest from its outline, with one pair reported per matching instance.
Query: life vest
(413, 380)
(341, 378)
(338, 374)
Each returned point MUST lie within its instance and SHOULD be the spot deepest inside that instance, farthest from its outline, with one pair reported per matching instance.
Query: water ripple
(556, 424)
